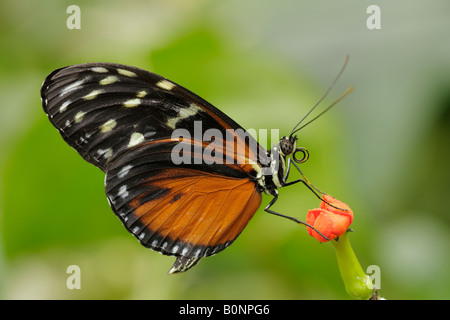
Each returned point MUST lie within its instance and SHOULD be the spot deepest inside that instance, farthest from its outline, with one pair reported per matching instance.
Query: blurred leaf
(52, 197)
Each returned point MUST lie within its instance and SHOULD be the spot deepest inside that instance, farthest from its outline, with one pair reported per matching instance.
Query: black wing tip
(46, 84)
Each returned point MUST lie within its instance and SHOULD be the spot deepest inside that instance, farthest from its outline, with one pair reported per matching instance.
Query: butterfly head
(279, 164)
(288, 147)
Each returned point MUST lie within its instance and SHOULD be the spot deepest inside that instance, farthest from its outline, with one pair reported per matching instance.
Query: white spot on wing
(72, 87)
(108, 126)
(132, 103)
(126, 73)
(79, 116)
(183, 114)
(197, 252)
(93, 94)
(124, 171)
(64, 106)
(123, 193)
(141, 94)
(104, 182)
(106, 153)
(99, 69)
(165, 84)
(109, 80)
(135, 139)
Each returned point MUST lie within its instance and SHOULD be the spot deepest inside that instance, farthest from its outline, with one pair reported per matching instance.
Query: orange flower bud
(330, 221)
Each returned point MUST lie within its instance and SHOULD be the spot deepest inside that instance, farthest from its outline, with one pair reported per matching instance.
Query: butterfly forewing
(122, 120)
(93, 107)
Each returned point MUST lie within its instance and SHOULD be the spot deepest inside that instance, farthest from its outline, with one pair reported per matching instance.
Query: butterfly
(122, 119)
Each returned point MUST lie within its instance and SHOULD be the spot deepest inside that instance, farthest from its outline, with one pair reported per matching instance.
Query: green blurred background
(384, 150)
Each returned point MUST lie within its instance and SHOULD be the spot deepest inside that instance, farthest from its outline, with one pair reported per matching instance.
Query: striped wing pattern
(121, 119)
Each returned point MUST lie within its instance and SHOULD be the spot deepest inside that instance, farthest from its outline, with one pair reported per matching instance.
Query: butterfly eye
(286, 146)
(305, 156)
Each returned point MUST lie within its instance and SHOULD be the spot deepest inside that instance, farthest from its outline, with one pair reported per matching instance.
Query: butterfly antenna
(294, 130)
(350, 89)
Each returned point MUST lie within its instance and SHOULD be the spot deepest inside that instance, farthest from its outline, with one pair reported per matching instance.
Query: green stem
(357, 283)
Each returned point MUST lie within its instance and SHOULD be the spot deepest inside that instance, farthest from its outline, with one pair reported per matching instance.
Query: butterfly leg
(306, 183)
(304, 180)
(275, 198)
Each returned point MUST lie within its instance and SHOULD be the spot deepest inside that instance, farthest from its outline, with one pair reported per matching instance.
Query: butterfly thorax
(273, 176)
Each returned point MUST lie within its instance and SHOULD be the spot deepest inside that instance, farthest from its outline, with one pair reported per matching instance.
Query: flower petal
(339, 204)
(315, 218)
(330, 221)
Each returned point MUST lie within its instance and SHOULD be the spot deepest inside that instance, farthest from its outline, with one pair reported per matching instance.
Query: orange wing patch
(199, 214)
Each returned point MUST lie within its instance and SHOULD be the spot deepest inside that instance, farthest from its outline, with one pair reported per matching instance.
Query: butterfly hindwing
(122, 119)
(183, 212)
